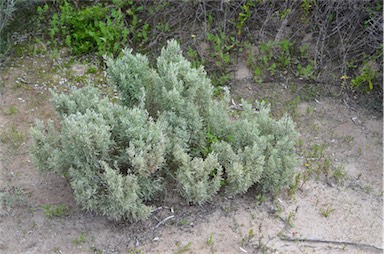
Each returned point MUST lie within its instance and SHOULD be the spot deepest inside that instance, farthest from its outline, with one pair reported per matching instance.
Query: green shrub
(166, 128)
(7, 8)
(95, 28)
(364, 82)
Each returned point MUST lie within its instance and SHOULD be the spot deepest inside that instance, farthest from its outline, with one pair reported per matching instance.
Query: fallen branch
(161, 222)
(360, 245)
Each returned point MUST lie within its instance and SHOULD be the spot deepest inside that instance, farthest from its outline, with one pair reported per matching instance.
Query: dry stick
(161, 222)
(360, 245)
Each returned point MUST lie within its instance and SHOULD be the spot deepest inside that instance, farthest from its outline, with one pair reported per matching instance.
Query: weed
(307, 6)
(284, 48)
(318, 151)
(10, 198)
(97, 251)
(364, 82)
(290, 218)
(295, 185)
(211, 243)
(348, 139)
(12, 137)
(257, 75)
(260, 198)
(92, 70)
(247, 239)
(193, 56)
(220, 47)
(305, 72)
(263, 248)
(326, 212)
(367, 188)
(292, 105)
(12, 110)
(339, 174)
(81, 239)
(251, 234)
(284, 13)
(183, 249)
(95, 28)
(55, 210)
(184, 222)
(163, 27)
(57, 250)
(244, 15)
(308, 92)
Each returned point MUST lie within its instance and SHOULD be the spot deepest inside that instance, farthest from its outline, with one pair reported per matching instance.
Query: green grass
(12, 136)
(184, 248)
(11, 110)
(11, 198)
(81, 239)
(326, 212)
(55, 210)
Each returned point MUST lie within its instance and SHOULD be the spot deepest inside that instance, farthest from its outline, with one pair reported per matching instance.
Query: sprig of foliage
(364, 81)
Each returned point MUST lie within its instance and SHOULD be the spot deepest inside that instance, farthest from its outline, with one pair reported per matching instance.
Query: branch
(359, 245)
(161, 222)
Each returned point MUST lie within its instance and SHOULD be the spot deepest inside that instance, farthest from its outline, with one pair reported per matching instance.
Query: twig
(161, 222)
(359, 245)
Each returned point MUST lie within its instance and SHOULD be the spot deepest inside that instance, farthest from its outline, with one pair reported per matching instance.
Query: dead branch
(358, 245)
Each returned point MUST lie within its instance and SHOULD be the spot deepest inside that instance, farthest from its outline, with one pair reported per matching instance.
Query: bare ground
(338, 208)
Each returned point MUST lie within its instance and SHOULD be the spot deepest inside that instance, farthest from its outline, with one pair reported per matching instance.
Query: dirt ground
(338, 208)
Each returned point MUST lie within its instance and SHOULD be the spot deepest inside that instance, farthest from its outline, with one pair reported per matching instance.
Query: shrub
(7, 8)
(92, 29)
(111, 163)
(364, 82)
(166, 128)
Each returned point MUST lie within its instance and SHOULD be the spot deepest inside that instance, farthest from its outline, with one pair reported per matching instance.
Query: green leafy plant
(273, 57)
(244, 14)
(166, 129)
(99, 28)
(364, 81)
(305, 72)
(221, 46)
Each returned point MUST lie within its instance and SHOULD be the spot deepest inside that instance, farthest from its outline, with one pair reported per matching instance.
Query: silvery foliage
(251, 148)
(167, 127)
(112, 164)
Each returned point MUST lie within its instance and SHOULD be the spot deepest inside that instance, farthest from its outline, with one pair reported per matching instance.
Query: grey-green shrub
(251, 147)
(112, 164)
(167, 129)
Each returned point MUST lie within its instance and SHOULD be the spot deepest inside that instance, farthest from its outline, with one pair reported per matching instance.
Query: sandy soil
(325, 215)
